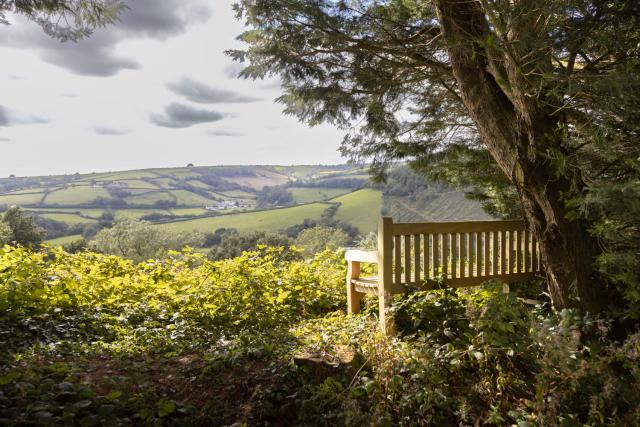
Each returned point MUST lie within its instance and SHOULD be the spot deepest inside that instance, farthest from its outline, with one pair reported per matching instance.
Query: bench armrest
(361, 256)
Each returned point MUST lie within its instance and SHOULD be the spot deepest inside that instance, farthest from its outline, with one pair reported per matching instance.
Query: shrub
(139, 241)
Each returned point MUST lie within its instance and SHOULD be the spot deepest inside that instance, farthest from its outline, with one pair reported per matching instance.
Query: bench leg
(505, 288)
(387, 323)
(353, 298)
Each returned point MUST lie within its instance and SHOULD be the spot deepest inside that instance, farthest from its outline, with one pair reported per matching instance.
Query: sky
(154, 90)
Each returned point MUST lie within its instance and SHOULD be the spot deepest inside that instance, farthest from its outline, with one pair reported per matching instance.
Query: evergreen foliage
(65, 19)
(534, 104)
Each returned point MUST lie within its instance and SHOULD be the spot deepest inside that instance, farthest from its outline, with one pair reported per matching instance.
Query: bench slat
(397, 273)
(456, 227)
(416, 257)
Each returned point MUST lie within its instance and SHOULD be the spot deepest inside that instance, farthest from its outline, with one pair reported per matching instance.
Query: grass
(138, 183)
(64, 240)
(189, 211)
(93, 213)
(184, 197)
(75, 196)
(271, 220)
(69, 218)
(27, 191)
(198, 184)
(360, 209)
(65, 195)
(149, 198)
(308, 195)
(184, 173)
(164, 182)
(21, 199)
(135, 174)
(235, 194)
(263, 178)
(137, 213)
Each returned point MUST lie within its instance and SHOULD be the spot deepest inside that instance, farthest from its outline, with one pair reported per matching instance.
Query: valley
(204, 199)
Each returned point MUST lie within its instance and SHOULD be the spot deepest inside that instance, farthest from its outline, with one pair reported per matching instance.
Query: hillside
(211, 197)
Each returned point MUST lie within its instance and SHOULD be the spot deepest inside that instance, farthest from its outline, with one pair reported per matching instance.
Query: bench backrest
(464, 253)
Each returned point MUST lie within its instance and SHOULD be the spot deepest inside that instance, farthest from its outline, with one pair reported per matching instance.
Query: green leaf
(82, 404)
(10, 377)
(165, 407)
(114, 395)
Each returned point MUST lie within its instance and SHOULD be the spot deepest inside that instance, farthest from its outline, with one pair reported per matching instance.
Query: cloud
(274, 84)
(10, 117)
(182, 116)
(96, 55)
(199, 92)
(222, 133)
(162, 19)
(110, 131)
(233, 70)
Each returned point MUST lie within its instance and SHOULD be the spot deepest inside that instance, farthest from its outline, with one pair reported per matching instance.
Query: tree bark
(518, 131)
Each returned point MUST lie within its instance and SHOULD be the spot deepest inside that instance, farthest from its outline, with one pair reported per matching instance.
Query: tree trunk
(519, 130)
(568, 251)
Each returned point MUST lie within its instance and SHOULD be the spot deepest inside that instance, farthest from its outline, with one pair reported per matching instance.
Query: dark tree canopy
(64, 19)
(535, 103)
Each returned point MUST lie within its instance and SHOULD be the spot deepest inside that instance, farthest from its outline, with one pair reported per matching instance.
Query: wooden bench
(461, 254)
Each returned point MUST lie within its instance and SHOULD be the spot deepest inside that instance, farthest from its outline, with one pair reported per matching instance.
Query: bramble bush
(91, 339)
(57, 306)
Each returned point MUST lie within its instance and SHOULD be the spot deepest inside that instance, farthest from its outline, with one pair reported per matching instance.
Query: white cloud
(181, 116)
(10, 117)
(80, 109)
(201, 93)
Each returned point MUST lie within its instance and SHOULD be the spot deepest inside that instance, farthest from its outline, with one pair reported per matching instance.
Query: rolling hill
(211, 197)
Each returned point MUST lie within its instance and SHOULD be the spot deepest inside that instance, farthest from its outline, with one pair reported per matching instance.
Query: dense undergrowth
(88, 339)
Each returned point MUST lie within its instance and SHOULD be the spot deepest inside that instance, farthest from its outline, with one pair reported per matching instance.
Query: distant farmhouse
(227, 204)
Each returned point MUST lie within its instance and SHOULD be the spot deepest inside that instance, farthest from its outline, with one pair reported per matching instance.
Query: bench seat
(366, 285)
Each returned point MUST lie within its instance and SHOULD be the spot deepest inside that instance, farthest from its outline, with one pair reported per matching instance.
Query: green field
(20, 199)
(93, 213)
(136, 174)
(308, 195)
(270, 220)
(149, 198)
(164, 182)
(235, 194)
(198, 184)
(39, 190)
(138, 183)
(69, 198)
(188, 211)
(137, 213)
(64, 240)
(183, 173)
(69, 218)
(75, 195)
(360, 209)
(184, 197)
